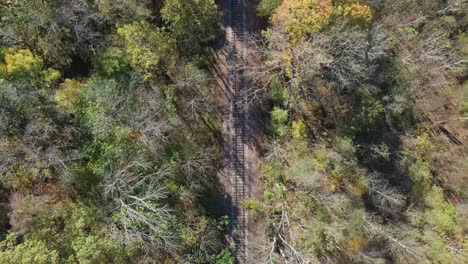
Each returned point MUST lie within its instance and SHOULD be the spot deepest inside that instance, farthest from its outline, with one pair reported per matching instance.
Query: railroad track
(237, 84)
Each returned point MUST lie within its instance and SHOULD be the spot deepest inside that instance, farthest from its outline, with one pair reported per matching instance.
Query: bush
(299, 129)
(67, 96)
(279, 116)
(224, 257)
(253, 206)
(51, 77)
(279, 119)
(317, 241)
(441, 215)
(22, 64)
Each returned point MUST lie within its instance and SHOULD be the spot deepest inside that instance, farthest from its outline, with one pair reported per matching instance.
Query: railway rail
(239, 191)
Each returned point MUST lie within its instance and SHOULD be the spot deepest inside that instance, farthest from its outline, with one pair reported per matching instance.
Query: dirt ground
(255, 128)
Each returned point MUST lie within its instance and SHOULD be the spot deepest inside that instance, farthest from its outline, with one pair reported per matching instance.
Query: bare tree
(137, 191)
(84, 22)
(144, 111)
(192, 86)
(196, 166)
(353, 57)
(208, 243)
(43, 148)
(402, 244)
(347, 57)
(384, 197)
(453, 6)
(262, 72)
(264, 253)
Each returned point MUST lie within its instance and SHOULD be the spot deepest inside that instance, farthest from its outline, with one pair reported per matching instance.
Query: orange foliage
(354, 245)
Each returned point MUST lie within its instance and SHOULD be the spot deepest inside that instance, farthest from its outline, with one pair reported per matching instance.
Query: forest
(111, 133)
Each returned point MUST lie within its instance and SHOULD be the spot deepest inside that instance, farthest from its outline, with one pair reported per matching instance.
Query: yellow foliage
(424, 147)
(123, 134)
(22, 62)
(3, 71)
(299, 129)
(51, 76)
(302, 17)
(335, 182)
(356, 12)
(286, 60)
(67, 96)
(359, 184)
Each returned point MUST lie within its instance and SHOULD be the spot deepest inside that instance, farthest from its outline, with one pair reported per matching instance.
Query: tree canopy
(116, 131)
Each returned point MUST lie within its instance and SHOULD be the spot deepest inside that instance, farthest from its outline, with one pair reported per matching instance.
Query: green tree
(125, 11)
(111, 62)
(150, 50)
(194, 23)
(94, 249)
(28, 252)
(51, 77)
(62, 232)
(267, 8)
(58, 30)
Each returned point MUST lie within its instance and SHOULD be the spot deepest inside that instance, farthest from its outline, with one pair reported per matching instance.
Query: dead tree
(136, 191)
(385, 198)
